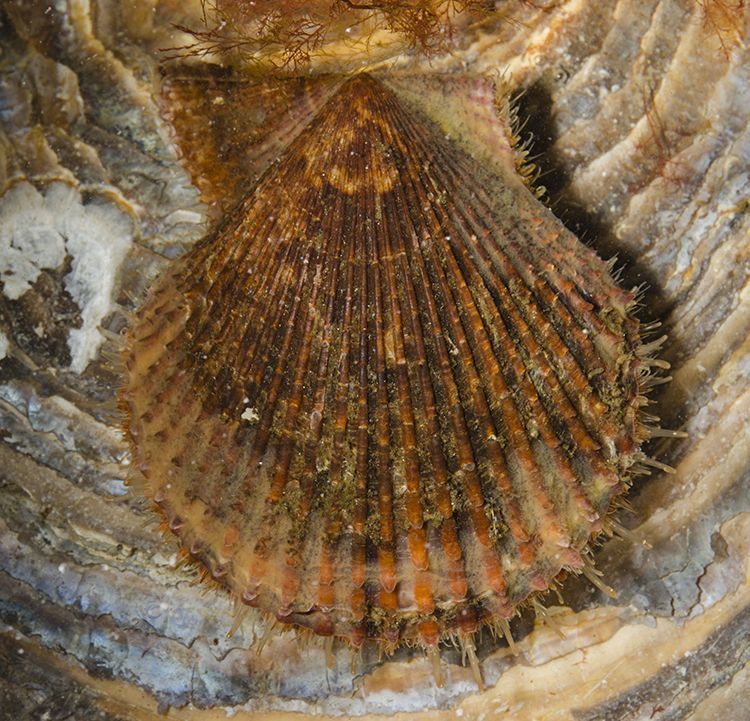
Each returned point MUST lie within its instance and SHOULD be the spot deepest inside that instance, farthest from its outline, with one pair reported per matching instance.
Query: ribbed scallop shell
(391, 397)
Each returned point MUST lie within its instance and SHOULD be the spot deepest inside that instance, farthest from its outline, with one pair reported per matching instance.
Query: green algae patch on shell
(389, 396)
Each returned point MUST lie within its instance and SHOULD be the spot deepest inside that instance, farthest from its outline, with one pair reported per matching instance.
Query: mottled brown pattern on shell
(233, 127)
(380, 402)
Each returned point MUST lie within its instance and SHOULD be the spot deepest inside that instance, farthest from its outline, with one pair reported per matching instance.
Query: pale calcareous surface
(640, 112)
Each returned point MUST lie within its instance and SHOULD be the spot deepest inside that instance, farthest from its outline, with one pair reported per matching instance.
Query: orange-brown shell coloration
(391, 397)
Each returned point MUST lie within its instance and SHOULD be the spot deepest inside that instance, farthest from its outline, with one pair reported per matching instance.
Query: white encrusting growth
(29, 240)
(39, 230)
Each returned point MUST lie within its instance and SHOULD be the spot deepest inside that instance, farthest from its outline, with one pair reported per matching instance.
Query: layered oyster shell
(391, 396)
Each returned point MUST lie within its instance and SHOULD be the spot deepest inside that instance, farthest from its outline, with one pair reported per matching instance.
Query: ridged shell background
(641, 111)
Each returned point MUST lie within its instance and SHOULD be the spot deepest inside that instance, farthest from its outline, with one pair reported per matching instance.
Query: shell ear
(474, 111)
(229, 127)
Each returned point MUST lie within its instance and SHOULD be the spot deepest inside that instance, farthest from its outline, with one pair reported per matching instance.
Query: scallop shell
(381, 402)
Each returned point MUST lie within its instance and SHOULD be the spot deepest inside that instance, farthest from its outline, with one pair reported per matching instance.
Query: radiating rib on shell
(391, 397)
